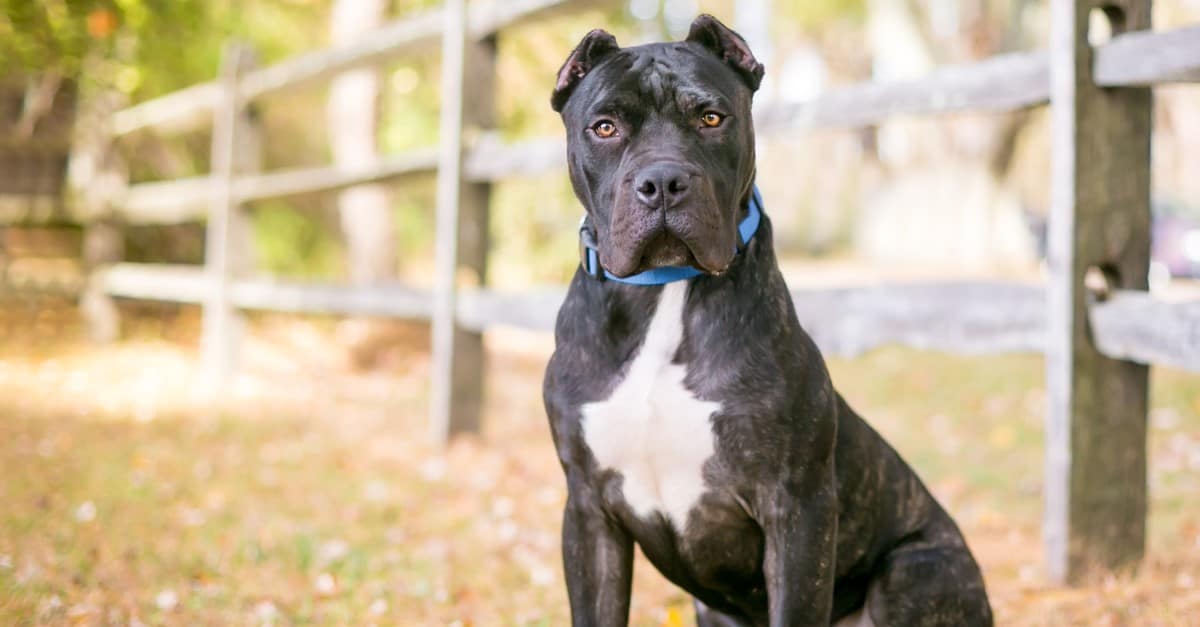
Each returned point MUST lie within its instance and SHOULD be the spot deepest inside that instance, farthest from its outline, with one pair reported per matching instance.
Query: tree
(364, 211)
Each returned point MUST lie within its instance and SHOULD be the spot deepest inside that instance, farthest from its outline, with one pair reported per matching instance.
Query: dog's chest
(652, 429)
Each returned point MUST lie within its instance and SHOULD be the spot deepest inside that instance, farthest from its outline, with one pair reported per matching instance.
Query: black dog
(696, 418)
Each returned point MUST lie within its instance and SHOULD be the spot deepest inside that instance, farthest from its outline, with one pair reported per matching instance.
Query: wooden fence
(1094, 320)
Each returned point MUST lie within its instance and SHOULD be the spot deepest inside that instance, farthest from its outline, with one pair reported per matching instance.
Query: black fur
(809, 515)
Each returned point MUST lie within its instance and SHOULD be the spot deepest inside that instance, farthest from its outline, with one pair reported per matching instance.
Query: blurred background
(311, 492)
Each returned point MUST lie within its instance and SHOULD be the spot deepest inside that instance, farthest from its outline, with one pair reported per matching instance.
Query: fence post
(227, 247)
(1095, 492)
(468, 75)
(96, 179)
(103, 245)
(469, 357)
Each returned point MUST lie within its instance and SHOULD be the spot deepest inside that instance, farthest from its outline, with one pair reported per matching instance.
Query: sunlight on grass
(314, 498)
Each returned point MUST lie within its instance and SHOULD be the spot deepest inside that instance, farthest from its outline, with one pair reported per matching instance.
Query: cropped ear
(729, 47)
(594, 47)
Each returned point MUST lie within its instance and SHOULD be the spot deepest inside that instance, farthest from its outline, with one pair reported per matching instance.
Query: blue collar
(590, 259)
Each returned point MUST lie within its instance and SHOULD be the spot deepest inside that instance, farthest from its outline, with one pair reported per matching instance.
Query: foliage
(52, 35)
(293, 243)
(145, 48)
(149, 46)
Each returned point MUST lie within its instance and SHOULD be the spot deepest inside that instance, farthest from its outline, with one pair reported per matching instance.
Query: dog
(691, 413)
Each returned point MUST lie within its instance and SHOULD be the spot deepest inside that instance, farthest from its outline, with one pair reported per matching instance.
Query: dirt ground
(313, 495)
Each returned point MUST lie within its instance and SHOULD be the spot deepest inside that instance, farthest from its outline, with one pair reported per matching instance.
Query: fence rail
(1002, 83)
(187, 199)
(190, 108)
(1138, 327)
(961, 317)
(1094, 343)
(964, 317)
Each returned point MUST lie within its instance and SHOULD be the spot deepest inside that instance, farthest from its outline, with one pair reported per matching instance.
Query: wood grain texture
(1095, 493)
(1141, 59)
(971, 318)
(1001, 83)
(1135, 326)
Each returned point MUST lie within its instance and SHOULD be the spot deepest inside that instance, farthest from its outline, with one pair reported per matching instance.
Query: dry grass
(315, 498)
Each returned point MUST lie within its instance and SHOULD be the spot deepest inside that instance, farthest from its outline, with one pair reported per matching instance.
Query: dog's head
(660, 145)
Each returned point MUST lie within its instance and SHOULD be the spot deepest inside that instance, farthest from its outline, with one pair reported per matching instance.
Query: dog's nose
(662, 185)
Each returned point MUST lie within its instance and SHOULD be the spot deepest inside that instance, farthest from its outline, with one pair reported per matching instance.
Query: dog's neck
(749, 217)
(751, 271)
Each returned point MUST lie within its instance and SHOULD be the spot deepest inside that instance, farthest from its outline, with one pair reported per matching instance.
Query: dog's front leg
(598, 562)
(800, 530)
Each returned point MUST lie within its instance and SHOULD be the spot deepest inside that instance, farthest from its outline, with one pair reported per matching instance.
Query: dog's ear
(729, 46)
(594, 47)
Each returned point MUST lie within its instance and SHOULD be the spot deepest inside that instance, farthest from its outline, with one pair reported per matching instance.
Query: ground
(314, 496)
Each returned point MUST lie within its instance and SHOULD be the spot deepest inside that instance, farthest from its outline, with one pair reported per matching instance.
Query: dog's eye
(604, 129)
(712, 119)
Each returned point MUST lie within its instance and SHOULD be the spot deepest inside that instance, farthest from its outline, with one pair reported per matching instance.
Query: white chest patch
(653, 430)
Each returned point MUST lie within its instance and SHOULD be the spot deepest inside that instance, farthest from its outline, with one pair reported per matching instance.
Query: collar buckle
(589, 259)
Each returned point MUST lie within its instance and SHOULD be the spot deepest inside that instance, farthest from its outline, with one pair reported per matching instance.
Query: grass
(314, 498)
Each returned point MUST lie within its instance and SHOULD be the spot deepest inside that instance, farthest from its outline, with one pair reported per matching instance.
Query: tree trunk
(364, 211)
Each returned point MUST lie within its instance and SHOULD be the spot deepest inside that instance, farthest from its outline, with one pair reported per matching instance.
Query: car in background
(1174, 241)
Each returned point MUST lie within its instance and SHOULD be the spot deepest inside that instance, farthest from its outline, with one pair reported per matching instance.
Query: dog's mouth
(696, 233)
(664, 249)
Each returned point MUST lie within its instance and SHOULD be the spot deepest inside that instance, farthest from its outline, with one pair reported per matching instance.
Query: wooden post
(469, 358)
(1095, 492)
(103, 245)
(468, 74)
(236, 147)
(97, 178)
